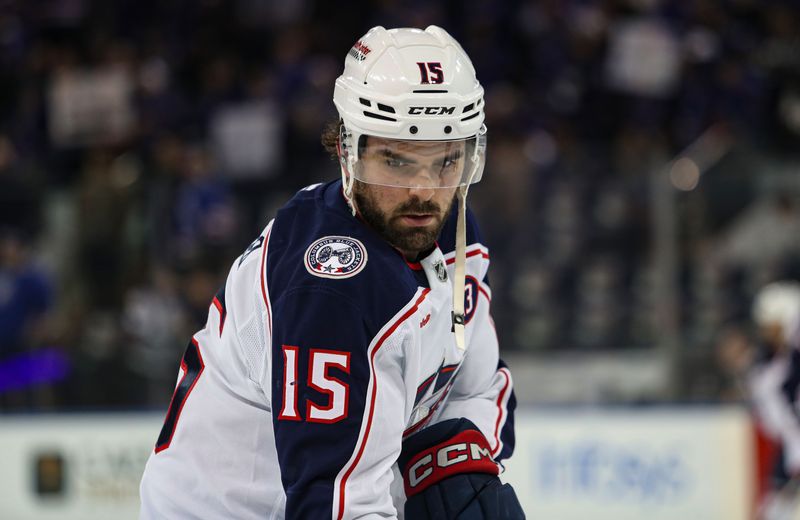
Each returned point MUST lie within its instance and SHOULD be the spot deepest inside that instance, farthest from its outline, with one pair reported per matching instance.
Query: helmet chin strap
(458, 279)
(460, 267)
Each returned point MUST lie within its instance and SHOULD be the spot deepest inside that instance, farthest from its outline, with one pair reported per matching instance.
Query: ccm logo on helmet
(431, 111)
(467, 453)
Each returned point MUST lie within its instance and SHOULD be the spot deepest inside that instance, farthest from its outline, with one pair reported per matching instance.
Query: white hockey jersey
(773, 384)
(323, 350)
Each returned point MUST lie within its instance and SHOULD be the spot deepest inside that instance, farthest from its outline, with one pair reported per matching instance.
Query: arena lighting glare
(684, 174)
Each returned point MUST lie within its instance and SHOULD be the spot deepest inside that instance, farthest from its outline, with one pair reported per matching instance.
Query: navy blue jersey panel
(333, 283)
(383, 286)
(507, 433)
(312, 452)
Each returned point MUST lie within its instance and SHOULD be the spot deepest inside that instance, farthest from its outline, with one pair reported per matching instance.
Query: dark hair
(330, 138)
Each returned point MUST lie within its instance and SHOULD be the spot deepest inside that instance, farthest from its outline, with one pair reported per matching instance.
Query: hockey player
(773, 383)
(349, 366)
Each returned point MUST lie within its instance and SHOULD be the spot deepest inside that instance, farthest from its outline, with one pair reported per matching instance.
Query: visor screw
(413, 129)
(448, 129)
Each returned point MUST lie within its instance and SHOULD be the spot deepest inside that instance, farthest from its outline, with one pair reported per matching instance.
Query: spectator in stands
(26, 289)
(26, 297)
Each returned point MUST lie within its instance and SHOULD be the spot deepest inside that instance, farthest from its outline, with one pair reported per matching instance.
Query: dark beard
(405, 239)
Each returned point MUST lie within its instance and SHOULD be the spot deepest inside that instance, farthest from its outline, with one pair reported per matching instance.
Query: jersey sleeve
(212, 455)
(337, 406)
(483, 390)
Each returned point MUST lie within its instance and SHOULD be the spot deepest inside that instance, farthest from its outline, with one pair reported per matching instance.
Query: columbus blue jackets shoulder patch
(335, 257)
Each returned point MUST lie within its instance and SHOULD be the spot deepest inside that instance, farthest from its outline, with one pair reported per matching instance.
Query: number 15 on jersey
(320, 361)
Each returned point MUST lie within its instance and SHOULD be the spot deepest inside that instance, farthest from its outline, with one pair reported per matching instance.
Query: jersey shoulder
(318, 250)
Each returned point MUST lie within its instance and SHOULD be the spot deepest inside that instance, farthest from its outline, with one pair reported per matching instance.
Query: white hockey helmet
(779, 303)
(404, 86)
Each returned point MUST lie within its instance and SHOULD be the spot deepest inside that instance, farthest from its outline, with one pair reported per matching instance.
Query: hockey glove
(449, 474)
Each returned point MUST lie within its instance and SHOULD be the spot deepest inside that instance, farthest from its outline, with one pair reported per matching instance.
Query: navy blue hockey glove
(449, 474)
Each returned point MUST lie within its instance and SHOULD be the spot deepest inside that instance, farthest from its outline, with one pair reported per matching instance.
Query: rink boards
(570, 463)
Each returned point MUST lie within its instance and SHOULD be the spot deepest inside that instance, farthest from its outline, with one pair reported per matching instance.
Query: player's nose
(423, 193)
(424, 184)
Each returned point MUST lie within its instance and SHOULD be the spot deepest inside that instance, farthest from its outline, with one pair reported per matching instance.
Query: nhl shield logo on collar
(441, 271)
(335, 257)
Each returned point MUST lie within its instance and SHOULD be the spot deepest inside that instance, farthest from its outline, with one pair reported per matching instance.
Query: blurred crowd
(144, 144)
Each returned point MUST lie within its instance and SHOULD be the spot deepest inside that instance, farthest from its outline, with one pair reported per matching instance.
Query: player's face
(408, 218)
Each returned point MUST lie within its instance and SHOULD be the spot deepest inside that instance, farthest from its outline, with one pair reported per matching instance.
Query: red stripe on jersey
(263, 277)
(500, 411)
(185, 396)
(485, 293)
(425, 384)
(469, 254)
(377, 347)
(415, 266)
(218, 305)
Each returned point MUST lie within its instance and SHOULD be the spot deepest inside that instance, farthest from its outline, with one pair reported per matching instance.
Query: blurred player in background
(773, 383)
(349, 366)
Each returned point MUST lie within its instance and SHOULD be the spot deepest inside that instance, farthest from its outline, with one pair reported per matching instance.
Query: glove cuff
(466, 452)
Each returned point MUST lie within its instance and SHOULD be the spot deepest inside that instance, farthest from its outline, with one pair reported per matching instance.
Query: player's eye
(450, 162)
(394, 162)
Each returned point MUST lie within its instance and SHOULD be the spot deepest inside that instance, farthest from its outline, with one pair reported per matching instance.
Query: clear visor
(417, 164)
